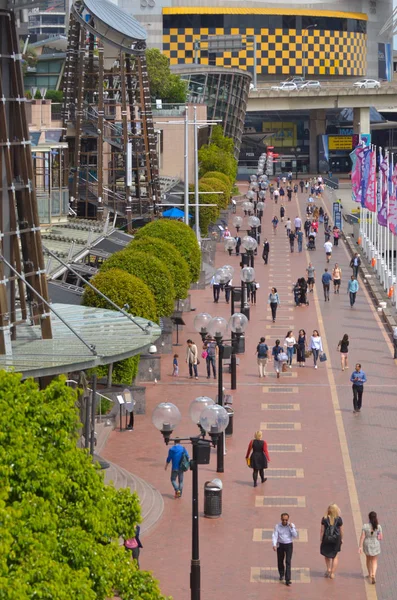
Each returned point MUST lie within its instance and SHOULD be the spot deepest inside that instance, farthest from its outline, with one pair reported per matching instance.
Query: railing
(169, 110)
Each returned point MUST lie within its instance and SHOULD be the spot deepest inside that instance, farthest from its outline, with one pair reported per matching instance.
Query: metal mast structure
(107, 114)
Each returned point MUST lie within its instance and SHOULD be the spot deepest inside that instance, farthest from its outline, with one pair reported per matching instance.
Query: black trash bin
(229, 428)
(212, 500)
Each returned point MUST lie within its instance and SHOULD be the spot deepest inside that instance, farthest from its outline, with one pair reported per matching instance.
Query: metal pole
(195, 562)
(87, 423)
(196, 169)
(220, 445)
(255, 65)
(233, 364)
(93, 414)
(186, 173)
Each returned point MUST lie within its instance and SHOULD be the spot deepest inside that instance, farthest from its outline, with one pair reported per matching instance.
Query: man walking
(216, 288)
(211, 347)
(311, 276)
(328, 250)
(175, 455)
(282, 540)
(299, 237)
(192, 358)
(352, 289)
(355, 264)
(238, 244)
(358, 378)
(307, 226)
(326, 280)
(266, 250)
(291, 240)
(288, 226)
(298, 224)
(262, 356)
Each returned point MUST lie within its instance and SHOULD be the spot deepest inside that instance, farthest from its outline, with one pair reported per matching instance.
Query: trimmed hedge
(217, 185)
(123, 289)
(175, 262)
(219, 175)
(207, 215)
(152, 271)
(179, 235)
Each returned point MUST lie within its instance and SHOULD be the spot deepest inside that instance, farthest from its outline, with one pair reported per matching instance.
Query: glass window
(289, 22)
(275, 22)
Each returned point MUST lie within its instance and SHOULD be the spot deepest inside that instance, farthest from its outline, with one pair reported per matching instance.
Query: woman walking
(301, 348)
(276, 351)
(343, 348)
(274, 301)
(337, 278)
(289, 344)
(275, 223)
(316, 346)
(335, 233)
(192, 358)
(303, 291)
(331, 538)
(369, 543)
(259, 457)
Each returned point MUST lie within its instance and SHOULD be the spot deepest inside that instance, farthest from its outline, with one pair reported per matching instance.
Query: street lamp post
(254, 223)
(247, 276)
(250, 245)
(213, 419)
(237, 325)
(260, 207)
(305, 47)
(295, 152)
(237, 222)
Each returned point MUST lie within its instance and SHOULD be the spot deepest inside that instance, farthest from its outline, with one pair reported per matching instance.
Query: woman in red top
(315, 226)
(259, 457)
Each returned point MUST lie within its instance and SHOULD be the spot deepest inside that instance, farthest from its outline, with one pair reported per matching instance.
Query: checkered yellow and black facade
(334, 44)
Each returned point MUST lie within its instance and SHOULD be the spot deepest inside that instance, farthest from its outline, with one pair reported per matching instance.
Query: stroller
(312, 243)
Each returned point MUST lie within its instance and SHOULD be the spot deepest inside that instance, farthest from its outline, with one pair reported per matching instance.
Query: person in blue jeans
(326, 281)
(352, 289)
(358, 378)
(289, 344)
(211, 347)
(299, 236)
(175, 456)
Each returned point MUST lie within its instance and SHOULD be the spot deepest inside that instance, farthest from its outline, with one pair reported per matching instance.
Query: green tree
(179, 235)
(217, 185)
(166, 252)
(221, 176)
(123, 289)
(220, 140)
(207, 214)
(164, 85)
(59, 522)
(152, 271)
(212, 158)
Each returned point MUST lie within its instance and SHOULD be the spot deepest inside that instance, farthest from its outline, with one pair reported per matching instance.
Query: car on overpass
(299, 81)
(310, 85)
(286, 86)
(367, 84)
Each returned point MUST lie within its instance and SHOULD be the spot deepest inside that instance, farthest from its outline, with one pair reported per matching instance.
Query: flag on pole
(357, 158)
(369, 199)
(384, 173)
(392, 214)
(365, 174)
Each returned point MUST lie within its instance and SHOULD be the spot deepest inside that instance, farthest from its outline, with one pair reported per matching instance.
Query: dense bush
(218, 155)
(54, 95)
(179, 235)
(219, 175)
(123, 289)
(207, 215)
(60, 523)
(166, 252)
(152, 271)
(217, 185)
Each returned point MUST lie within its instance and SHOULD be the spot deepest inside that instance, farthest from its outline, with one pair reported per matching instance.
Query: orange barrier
(391, 292)
(359, 241)
(373, 262)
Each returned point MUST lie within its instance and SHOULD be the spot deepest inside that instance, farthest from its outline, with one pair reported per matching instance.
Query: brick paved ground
(338, 457)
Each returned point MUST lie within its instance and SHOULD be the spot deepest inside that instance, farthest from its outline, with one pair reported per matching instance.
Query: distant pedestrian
(276, 351)
(289, 194)
(282, 193)
(301, 348)
(290, 176)
(311, 276)
(253, 287)
(274, 302)
(296, 189)
(291, 237)
(283, 536)
(369, 543)
(328, 250)
(276, 195)
(265, 251)
(288, 226)
(216, 288)
(326, 219)
(307, 186)
(337, 278)
(326, 279)
(343, 347)
(355, 264)
(331, 538)
(228, 290)
(307, 227)
(395, 341)
(352, 289)
(301, 185)
(175, 456)
(282, 212)
(336, 233)
(259, 458)
(262, 354)
(289, 344)
(327, 233)
(134, 545)
(238, 244)
(316, 346)
(175, 366)
(275, 223)
(299, 237)
(303, 291)
(358, 378)
(297, 224)
(192, 358)
(210, 353)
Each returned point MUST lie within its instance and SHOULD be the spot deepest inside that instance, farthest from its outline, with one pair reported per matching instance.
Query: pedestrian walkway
(320, 452)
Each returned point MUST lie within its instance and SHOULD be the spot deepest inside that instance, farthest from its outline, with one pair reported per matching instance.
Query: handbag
(204, 354)
(308, 353)
(248, 462)
(131, 544)
(323, 357)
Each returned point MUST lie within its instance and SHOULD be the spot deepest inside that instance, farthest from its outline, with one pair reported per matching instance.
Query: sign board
(340, 142)
(221, 43)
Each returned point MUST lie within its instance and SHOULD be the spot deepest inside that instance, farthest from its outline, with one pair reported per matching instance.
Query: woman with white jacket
(316, 346)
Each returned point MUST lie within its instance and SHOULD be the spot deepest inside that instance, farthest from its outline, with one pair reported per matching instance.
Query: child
(175, 366)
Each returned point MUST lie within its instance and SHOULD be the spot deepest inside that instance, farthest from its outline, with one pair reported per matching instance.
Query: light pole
(296, 151)
(250, 245)
(260, 207)
(305, 47)
(212, 419)
(237, 325)
(237, 222)
(247, 276)
(255, 224)
(230, 245)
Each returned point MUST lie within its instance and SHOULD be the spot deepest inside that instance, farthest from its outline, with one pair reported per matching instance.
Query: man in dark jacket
(266, 250)
(355, 264)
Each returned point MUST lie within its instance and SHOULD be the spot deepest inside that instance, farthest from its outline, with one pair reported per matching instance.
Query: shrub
(219, 175)
(152, 271)
(122, 288)
(213, 158)
(166, 252)
(54, 95)
(217, 185)
(180, 236)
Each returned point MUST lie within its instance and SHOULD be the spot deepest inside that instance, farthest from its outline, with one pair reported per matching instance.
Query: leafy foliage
(179, 235)
(123, 289)
(208, 214)
(166, 252)
(218, 175)
(59, 523)
(220, 140)
(218, 155)
(54, 95)
(217, 185)
(164, 85)
(152, 271)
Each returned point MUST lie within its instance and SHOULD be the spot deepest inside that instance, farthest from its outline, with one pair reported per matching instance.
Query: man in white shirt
(276, 194)
(328, 250)
(282, 541)
(298, 224)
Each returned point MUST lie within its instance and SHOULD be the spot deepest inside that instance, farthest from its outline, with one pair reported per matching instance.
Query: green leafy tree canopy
(207, 214)
(164, 85)
(217, 185)
(179, 235)
(212, 158)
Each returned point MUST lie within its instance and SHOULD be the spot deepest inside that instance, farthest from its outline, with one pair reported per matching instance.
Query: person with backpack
(259, 457)
(331, 538)
(179, 457)
(210, 353)
(262, 356)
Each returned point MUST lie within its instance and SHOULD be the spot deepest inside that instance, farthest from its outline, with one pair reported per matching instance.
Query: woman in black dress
(303, 286)
(331, 538)
(301, 348)
(259, 457)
